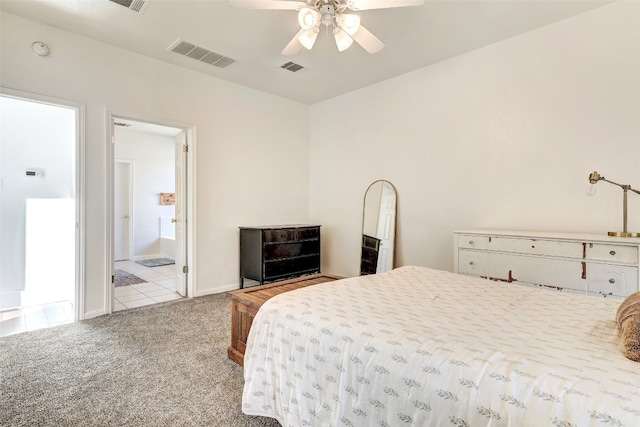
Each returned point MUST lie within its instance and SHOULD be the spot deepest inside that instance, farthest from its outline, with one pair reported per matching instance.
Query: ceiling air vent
(135, 5)
(200, 54)
(292, 66)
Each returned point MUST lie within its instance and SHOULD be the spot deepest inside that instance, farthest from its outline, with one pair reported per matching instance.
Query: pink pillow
(628, 320)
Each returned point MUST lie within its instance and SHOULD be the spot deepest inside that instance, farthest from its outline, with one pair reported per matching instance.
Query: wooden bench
(246, 302)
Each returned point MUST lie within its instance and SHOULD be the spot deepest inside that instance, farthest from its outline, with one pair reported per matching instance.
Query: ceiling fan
(331, 14)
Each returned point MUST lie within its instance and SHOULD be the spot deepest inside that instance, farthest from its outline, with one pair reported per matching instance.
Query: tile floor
(35, 317)
(160, 286)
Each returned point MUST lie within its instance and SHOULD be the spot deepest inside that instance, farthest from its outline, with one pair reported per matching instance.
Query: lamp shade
(308, 38)
(348, 22)
(343, 41)
(308, 18)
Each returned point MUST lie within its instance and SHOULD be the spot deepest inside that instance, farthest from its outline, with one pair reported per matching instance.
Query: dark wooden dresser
(273, 253)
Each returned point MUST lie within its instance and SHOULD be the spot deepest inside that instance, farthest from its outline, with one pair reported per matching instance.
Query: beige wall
(252, 148)
(502, 137)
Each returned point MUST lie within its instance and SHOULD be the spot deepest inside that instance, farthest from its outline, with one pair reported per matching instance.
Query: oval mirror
(378, 228)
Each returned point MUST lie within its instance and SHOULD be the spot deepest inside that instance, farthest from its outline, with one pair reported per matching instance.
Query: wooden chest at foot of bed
(246, 302)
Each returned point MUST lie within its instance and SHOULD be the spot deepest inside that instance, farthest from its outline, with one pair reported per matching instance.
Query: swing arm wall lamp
(594, 177)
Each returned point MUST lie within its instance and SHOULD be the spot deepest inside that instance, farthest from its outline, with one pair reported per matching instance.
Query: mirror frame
(370, 245)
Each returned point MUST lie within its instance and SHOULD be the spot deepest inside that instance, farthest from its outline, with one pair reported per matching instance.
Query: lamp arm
(614, 183)
(624, 187)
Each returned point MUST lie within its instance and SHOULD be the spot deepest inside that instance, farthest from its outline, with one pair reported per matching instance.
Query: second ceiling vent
(201, 54)
(292, 66)
(135, 5)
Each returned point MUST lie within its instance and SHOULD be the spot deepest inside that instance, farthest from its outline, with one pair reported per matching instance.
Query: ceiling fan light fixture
(329, 13)
(308, 18)
(343, 41)
(308, 38)
(348, 22)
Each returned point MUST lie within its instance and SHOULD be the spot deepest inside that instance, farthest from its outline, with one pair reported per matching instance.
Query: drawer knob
(612, 281)
(612, 252)
(471, 263)
(471, 242)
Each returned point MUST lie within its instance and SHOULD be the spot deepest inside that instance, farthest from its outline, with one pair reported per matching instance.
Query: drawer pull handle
(471, 242)
(612, 252)
(471, 263)
(612, 281)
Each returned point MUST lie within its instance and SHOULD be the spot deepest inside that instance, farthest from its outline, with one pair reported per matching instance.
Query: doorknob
(173, 220)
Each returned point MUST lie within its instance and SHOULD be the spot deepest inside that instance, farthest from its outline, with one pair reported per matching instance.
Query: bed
(423, 347)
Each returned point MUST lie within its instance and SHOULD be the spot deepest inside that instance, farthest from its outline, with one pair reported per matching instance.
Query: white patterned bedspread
(423, 347)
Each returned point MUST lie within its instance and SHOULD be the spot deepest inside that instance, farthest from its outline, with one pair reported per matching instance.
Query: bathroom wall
(153, 158)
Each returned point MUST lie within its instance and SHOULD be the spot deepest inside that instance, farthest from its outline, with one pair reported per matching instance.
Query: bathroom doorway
(41, 212)
(149, 213)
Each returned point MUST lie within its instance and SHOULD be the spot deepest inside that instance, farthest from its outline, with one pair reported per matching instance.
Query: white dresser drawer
(560, 273)
(472, 262)
(473, 242)
(615, 253)
(615, 280)
(522, 245)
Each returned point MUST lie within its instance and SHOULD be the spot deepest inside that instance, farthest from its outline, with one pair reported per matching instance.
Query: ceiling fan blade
(294, 45)
(268, 4)
(381, 4)
(367, 40)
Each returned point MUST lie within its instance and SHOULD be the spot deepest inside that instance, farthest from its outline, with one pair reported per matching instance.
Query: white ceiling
(415, 37)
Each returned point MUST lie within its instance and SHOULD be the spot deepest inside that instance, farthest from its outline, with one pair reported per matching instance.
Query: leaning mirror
(378, 228)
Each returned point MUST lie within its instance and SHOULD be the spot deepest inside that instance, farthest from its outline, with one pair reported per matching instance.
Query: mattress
(417, 346)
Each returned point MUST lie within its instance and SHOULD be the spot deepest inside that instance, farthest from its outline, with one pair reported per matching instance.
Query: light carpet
(162, 365)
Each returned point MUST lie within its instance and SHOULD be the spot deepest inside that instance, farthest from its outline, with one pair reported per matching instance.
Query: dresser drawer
(308, 233)
(561, 273)
(615, 280)
(615, 253)
(469, 241)
(289, 250)
(291, 266)
(472, 262)
(280, 235)
(523, 245)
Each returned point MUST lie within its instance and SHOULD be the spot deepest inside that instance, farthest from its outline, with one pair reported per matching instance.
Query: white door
(181, 191)
(386, 228)
(122, 186)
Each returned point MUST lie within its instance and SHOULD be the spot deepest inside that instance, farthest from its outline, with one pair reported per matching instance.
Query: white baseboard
(218, 289)
(92, 314)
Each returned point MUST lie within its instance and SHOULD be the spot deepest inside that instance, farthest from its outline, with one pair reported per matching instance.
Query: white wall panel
(502, 137)
(252, 147)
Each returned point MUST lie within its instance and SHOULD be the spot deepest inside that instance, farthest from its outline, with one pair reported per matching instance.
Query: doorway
(149, 238)
(40, 220)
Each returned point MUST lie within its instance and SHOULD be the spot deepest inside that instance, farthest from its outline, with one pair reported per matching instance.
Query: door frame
(190, 204)
(80, 255)
(131, 202)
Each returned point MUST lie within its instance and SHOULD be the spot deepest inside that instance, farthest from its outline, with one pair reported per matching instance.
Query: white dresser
(590, 263)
